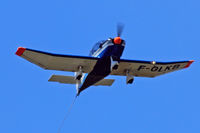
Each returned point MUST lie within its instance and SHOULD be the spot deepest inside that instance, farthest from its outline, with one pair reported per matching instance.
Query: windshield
(96, 47)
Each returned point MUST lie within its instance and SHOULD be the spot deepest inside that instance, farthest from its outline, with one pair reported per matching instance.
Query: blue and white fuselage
(109, 55)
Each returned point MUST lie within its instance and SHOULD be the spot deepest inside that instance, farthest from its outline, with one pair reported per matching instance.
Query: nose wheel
(114, 64)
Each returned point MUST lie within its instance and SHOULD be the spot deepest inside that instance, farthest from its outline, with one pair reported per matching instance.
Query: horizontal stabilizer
(105, 82)
(70, 80)
(62, 79)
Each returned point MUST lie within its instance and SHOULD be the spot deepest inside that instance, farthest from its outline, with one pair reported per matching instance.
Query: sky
(154, 30)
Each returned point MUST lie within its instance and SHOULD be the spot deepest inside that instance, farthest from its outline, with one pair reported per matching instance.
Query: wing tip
(189, 63)
(20, 51)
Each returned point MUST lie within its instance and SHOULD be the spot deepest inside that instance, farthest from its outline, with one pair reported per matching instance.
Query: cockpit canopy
(97, 46)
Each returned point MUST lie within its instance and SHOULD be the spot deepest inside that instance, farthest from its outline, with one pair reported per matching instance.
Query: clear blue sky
(154, 30)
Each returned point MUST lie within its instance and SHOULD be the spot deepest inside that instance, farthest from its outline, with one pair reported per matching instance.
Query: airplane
(103, 60)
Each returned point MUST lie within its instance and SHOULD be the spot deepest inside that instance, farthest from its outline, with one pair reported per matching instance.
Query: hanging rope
(67, 114)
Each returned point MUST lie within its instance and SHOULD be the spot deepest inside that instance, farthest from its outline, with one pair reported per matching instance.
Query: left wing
(57, 61)
(149, 68)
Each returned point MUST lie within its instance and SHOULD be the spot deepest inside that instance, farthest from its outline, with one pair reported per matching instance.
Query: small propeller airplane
(104, 60)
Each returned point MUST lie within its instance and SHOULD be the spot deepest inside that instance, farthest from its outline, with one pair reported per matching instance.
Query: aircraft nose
(117, 40)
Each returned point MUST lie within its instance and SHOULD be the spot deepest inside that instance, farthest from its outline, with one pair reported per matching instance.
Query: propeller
(120, 28)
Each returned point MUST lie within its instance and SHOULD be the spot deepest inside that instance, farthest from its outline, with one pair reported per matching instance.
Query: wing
(57, 61)
(149, 68)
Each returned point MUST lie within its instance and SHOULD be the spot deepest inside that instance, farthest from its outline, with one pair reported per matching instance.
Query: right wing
(57, 61)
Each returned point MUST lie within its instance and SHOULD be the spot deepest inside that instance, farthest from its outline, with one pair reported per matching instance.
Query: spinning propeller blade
(120, 28)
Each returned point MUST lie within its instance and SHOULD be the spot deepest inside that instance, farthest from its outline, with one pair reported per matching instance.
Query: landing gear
(114, 64)
(115, 67)
(79, 74)
(129, 77)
